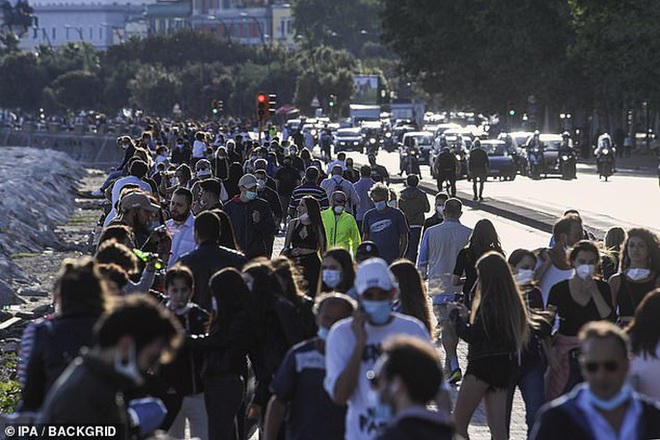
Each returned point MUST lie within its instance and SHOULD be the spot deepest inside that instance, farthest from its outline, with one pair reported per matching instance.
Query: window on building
(101, 33)
(91, 33)
(54, 33)
(289, 27)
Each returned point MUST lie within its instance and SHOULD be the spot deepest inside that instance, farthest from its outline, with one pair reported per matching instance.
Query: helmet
(537, 133)
(566, 134)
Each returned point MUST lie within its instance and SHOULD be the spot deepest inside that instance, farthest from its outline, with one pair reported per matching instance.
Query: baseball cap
(211, 185)
(137, 200)
(374, 273)
(247, 181)
(366, 249)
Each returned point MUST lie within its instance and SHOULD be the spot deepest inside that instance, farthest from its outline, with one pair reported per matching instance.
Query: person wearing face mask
(198, 148)
(131, 340)
(337, 273)
(308, 188)
(335, 182)
(182, 387)
(202, 172)
(266, 192)
(340, 227)
(297, 386)
(576, 301)
(639, 273)
(605, 407)
(252, 219)
(354, 345)
(220, 163)
(181, 152)
(644, 333)
(406, 378)
(532, 365)
(385, 226)
(439, 212)
(305, 240)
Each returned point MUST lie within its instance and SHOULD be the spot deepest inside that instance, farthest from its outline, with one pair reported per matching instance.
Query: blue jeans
(114, 175)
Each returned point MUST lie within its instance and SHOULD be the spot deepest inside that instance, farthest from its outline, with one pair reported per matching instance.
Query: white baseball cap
(374, 272)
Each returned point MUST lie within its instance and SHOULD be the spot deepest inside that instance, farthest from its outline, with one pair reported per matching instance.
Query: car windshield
(494, 149)
(348, 132)
(424, 140)
(552, 145)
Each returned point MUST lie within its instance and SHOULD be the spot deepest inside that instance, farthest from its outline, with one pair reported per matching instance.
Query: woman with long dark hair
(639, 272)
(231, 184)
(582, 298)
(305, 240)
(227, 344)
(337, 272)
(48, 346)
(227, 237)
(645, 337)
(484, 238)
(412, 300)
(496, 330)
(292, 284)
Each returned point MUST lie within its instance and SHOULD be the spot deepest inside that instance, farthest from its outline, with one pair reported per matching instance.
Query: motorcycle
(536, 163)
(372, 145)
(567, 165)
(409, 161)
(388, 142)
(605, 163)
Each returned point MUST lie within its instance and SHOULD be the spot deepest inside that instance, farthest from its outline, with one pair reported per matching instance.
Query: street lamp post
(261, 31)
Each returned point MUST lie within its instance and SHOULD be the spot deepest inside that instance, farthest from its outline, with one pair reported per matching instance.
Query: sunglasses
(609, 366)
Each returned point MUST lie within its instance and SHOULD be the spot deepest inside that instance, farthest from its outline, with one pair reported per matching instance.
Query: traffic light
(214, 106)
(262, 106)
(272, 104)
(220, 106)
(511, 108)
(331, 101)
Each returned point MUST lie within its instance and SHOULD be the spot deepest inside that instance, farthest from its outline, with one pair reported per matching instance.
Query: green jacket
(414, 203)
(341, 231)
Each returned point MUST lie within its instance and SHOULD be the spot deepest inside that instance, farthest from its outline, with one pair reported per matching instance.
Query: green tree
(77, 90)
(21, 80)
(154, 89)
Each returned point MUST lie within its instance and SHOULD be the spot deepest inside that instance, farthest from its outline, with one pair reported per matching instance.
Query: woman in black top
(639, 273)
(484, 238)
(305, 241)
(496, 330)
(576, 301)
(231, 184)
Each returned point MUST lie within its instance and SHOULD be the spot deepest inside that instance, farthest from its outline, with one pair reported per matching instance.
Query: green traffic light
(512, 112)
(331, 104)
(215, 110)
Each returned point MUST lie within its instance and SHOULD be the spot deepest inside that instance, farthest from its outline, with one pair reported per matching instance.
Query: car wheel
(512, 177)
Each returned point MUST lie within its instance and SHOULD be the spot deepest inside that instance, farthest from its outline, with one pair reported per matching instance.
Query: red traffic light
(262, 98)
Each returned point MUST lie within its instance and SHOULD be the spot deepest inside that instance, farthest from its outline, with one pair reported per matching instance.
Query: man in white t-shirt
(354, 345)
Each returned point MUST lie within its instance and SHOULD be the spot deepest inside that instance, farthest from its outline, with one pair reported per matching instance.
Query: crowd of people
(187, 320)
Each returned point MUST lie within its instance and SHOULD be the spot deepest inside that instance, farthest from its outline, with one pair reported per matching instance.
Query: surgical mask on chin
(624, 394)
(130, 368)
(380, 205)
(378, 312)
(304, 218)
(524, 276)
(261, 183)
(440, 209)
(338, 209)
(323, 333)
(637, 274)
(585, 271)
(250, 195)
(381, 412)
(331, 277)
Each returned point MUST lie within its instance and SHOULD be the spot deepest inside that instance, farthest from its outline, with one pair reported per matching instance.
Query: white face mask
(331, 277)
(130, 368)
(440, 209)
(392, 204)
(585, 271)
(338, 209)
(304, 218)
(636, 274)
(524, 276)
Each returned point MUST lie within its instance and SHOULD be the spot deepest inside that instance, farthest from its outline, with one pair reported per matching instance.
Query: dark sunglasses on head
(609, 366)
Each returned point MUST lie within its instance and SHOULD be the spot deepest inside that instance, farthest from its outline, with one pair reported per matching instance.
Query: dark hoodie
(253, 238)
(414, 203)
(418, 423)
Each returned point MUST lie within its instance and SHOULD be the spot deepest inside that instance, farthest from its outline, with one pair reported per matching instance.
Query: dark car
(349, 139)
(551, 145)
(501, 161)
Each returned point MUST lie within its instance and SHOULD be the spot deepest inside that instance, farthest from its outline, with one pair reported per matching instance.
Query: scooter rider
(446, 166)
(605, 151)
(566, 149)
(535, 152)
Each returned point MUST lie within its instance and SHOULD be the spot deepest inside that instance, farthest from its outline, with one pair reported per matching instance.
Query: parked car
(349, 139)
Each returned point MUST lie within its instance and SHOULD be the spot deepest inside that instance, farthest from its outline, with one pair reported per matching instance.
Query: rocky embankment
(37, 196)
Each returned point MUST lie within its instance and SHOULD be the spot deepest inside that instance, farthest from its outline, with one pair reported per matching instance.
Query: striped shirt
(309, 189)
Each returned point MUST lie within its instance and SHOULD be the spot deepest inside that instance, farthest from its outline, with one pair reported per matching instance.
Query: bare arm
(274, 417)
(348, 380)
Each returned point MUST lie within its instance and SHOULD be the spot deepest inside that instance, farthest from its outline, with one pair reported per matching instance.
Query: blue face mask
(616, 401)
(323, 333)
(380, 205)
(250, 195)
(377, 311)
